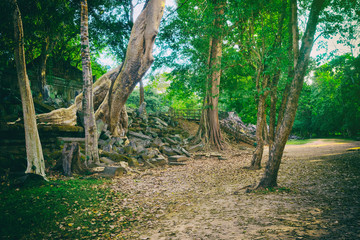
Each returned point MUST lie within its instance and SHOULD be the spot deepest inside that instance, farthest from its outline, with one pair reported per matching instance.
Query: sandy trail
(318, 199)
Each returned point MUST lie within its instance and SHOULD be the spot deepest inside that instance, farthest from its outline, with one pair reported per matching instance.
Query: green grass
(63, 209)
(340, 140)
(299, 142)
(276, 190)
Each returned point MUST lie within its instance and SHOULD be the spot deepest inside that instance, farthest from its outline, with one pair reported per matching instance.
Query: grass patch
(63, 209)
(274, 190)
(299, 142)
(340, 140)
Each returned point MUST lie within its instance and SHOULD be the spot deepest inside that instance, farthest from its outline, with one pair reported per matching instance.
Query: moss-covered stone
(116, 157)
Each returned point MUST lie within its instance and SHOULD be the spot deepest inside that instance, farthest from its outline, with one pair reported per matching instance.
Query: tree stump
(71, 160)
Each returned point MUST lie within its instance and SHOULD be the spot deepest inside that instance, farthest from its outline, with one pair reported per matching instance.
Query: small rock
(106, 160)
(153, 134)
(105, 135)
(149, 154)
(114, 171)
(196, 148)
(139, 135)
(118, 141)
(171, 141)
(177, 163)
(160, 121)
(200, 156)
(215, 154)
(176, 137)
(167, 151)
(130, 149)
(148, 164)
(120, 157)
(160, 160)
(97, 169)
(183, 150)
(108, 148)
(118, 150)
(178, 158)
(157, 143)
(133, 162)
(177, 151)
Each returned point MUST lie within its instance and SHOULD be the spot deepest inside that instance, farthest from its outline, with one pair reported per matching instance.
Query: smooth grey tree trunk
(34, 154)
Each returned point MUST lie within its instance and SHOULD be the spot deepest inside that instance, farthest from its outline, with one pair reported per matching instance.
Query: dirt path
(318, 199)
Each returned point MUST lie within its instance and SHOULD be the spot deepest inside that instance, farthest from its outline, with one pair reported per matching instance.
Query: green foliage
(155, 102)
(249, 39)
(180, 96)
(97, 69)
(60, 209)
(330, 105)
(299, 142)
(160, 95)
(58, 22)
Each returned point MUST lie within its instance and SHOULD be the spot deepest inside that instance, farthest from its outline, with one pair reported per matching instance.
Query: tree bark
(142, 93)
(260, 122)
(42, 67)
(137, 61)
(91, 138)
(269, 178)
(275, 78)
(34, 154)
(294, 55)
(71, 160)
(273, 101)
(112, 90)
(209, 129)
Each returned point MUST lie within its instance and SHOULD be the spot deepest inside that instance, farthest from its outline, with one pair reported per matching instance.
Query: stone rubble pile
(151, 141)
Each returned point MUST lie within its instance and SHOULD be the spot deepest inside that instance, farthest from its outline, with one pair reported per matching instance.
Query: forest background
(329, 104)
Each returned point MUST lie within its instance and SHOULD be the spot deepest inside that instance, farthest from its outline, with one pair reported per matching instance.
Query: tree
(209, 128)
(91, 138)
(34, 154)
(267, 60)
(112, 89)
(269, 178)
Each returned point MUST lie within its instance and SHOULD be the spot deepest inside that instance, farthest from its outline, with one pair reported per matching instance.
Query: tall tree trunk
(293, 53)
(261, 120)
(42, 67)
(209, 128)
(137, 61)
(269, 178)
(142, 93)
(91, 138)
(34, 154)
(275, 79)
(273, 101)
(112, 89)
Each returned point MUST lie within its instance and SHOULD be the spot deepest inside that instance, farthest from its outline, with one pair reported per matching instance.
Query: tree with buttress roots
(209, 128)
(112, 90)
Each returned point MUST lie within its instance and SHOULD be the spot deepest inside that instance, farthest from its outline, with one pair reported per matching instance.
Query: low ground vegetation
(206, 198)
